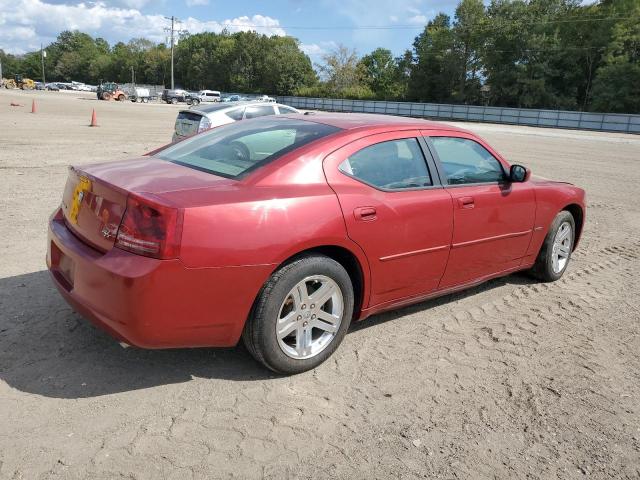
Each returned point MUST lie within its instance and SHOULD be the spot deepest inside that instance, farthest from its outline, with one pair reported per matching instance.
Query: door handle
(466, 202)
(365, 213)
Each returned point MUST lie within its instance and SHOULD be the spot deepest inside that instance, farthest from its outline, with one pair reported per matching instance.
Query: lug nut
(312, 317)
(303, 306)
(313, 306)
(299, 317)
(305, 324)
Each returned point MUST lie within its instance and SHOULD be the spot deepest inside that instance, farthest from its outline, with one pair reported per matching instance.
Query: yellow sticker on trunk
(83, 186)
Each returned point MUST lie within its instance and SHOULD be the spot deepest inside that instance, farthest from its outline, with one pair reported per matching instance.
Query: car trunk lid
(95, 196)
(92, 209)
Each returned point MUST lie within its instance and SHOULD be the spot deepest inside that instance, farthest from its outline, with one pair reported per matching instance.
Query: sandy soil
(513, 379)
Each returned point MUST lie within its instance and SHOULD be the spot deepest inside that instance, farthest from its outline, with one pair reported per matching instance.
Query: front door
(493, 217)
(396, 210)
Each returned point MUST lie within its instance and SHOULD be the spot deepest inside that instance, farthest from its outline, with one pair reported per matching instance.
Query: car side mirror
(519, 174)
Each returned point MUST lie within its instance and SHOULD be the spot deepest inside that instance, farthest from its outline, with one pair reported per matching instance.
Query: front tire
(301, 315)
(555, 253)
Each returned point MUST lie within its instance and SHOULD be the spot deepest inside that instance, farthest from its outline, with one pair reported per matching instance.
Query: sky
(319, 24)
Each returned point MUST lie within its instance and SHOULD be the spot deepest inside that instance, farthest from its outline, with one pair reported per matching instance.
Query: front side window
(239, 147)
(259, 111)
(392, 165)
(284, 110)
(465, 161)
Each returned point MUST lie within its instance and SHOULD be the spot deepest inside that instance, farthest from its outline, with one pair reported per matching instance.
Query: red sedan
(282, 230)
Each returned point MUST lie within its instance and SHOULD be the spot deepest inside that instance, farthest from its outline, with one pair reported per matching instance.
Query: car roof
(229, 105)
(350, 121)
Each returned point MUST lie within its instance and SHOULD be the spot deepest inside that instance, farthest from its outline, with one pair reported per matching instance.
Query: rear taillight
(205, 124)
(150, 229)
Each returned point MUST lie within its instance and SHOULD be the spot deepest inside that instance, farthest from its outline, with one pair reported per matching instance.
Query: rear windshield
(238, 148)
(194, 117)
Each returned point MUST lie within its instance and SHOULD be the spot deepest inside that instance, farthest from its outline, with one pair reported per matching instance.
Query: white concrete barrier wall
(606, 122)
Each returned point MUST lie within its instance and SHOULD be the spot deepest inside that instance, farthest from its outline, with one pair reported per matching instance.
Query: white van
(204, 96)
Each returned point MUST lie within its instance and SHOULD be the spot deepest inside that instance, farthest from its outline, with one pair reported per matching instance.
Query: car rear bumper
(152, 303)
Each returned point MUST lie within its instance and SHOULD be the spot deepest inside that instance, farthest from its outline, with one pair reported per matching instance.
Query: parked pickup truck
(174, 96)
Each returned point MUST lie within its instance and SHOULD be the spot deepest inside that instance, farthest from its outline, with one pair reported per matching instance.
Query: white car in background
(204, 96)
(199, 119)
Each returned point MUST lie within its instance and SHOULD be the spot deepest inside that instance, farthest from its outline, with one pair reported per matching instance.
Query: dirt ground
(513, 379)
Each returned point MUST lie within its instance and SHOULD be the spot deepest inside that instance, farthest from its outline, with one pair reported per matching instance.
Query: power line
(421, 26)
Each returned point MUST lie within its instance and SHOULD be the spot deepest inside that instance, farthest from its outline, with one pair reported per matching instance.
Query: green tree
(469, 31)
(383, 74)
(11, 65)
(617, 84)
(436, 67)
(343, 74)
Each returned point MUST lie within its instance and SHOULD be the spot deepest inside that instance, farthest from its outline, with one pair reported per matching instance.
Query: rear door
(396, 210)
(493, 217)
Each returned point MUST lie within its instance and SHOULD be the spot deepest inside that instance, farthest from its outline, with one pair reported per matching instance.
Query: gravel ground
(513, 379)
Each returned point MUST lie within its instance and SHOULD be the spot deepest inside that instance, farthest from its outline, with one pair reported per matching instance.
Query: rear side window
(392, 165)
(235, 149)
(259, 111)
(466, 161)
(235, 114)
(284, 110)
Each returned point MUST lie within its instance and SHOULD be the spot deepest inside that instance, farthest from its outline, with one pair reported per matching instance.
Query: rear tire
(555, 252)
(174, 101)
(287, 303)
(121, 98)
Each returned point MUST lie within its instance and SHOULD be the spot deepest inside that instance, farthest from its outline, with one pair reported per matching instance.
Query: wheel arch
(577, 213)
(358, 273)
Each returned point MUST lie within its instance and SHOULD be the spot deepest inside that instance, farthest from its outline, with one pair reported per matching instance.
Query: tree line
(555, 54)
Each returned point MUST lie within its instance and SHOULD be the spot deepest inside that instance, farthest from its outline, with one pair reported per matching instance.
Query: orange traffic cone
(33, 106)
(94, 119)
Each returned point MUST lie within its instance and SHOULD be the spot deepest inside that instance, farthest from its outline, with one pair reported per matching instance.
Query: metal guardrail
(605, 122)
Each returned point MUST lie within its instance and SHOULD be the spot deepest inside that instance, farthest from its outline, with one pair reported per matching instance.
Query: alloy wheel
(561, 249)
(309, 317)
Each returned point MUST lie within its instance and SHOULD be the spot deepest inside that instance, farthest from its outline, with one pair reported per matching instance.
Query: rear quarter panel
(261, 226)
(280, 210)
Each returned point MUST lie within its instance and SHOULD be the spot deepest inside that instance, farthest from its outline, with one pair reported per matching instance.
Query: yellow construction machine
(23, 83)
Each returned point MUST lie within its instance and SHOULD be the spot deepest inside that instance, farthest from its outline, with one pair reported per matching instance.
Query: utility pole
(172, 35)
(133, 77)
(42, 55)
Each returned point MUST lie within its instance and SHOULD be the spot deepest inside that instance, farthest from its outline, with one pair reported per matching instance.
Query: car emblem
(106, 233)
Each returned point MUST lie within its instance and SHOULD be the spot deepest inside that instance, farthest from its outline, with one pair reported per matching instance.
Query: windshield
(233, 150)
